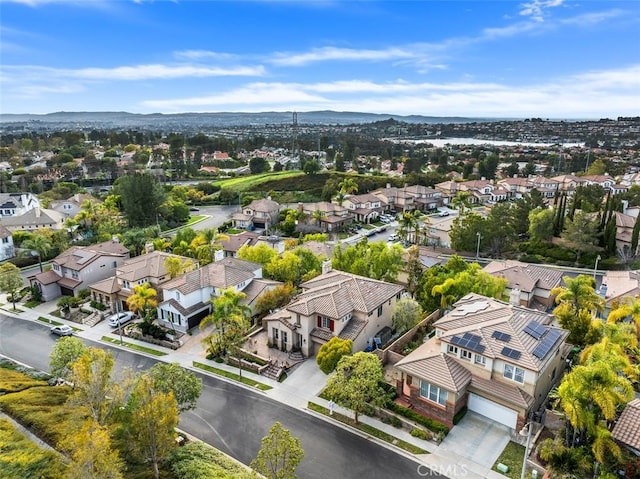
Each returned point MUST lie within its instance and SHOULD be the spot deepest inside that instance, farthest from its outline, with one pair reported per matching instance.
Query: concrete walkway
(452, 458)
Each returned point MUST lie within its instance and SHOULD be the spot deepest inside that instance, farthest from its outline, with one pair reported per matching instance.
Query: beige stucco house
(79, 267)
(187, 298)
(146, 268)
(495, 358)
(334, 304)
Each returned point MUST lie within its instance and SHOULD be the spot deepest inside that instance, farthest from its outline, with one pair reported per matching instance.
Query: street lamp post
(478, 246)
(595, 268)
(526, 431)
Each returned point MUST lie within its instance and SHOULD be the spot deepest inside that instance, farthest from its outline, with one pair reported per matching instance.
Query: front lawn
(372, 431)
(136, 347)
(235, 377)
(512, 456)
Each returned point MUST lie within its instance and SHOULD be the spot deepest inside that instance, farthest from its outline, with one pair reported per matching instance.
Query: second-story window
(481, 360)
(453, 349)
(514, 373)
(379, 310)
(74, 274)
(464, 354)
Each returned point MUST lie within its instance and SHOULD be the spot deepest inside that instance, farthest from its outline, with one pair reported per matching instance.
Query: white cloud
(340, 54)
(537, 9)
(593, 18)
(136, 72)
(204, 55)
(586, 95)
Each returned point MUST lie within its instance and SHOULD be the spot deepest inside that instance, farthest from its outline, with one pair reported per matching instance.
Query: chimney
(218, 255)
(514, 297)
(326, 266)
(37, 208)
(388, 185)
(115, 239)
(149, 248)
(300, 207)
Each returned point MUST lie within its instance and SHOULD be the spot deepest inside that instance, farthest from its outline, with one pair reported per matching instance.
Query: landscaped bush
(419, 433)
(41, 409)
(97, 305)
(427, 422)
(84, 294)
(459, 415)
(197, 460)
(395, 422)
(14, 381)
(153, 330)
(19, 457)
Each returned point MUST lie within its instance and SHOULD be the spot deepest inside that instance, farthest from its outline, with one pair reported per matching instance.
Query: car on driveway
(62, 330)
(118, 319)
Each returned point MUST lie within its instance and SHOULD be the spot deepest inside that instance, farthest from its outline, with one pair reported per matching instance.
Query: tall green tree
(376, 260)
(541, 224)
(185, 386)
(66, 351)
(91, 453)
(279, 455)
(413, 269)
(95, 393)
(152, 419)
(406, 314)
(141, 196)
(10, 280)
(581, 234)
(356, 383)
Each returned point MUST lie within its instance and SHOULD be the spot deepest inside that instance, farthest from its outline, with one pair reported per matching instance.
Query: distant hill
(125, 119)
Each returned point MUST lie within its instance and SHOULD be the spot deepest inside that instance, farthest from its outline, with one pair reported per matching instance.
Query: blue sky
(537, 58)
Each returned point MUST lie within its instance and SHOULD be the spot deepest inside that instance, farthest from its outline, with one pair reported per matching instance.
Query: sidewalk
(302, 386)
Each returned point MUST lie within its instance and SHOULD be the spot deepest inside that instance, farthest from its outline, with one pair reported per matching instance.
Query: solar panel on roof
(535, 329)
(469, 341)
(547, 343)
(510, 353)
(500, 336)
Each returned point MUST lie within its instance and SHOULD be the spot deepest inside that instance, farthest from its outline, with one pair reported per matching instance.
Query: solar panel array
(504, 337)
(535, 329)
(510, 353)
(469, 341)
(547, 343)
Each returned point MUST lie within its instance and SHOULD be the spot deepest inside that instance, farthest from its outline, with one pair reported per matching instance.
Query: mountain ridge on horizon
(236, 118)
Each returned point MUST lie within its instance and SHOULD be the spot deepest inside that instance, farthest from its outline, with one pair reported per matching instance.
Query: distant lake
(440, 142)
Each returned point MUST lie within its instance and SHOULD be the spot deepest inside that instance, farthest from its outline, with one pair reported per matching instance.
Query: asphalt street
(234, 418)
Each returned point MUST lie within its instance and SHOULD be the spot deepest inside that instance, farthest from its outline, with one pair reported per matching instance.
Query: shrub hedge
(427, 422)
(197, 460)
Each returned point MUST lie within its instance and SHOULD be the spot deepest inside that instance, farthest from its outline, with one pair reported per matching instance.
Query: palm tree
(143, 300)
(231, 319)
(578, 293)
(462, 201)
(629, 309)
(348, 186)
(318, 216)
(408, 223)
(38, 243)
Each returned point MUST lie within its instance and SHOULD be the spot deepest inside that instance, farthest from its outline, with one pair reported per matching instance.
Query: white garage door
(492, 410)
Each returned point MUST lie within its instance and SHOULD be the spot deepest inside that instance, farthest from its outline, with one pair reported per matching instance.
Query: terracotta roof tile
(627, 428)
(436, 368)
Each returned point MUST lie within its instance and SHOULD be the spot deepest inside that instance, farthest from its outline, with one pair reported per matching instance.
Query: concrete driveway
(477, 439)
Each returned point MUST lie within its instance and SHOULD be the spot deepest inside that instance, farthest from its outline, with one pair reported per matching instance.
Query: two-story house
(398, 200)
(147, 268)
(495, 358)
(78, 267)
(334, 304)
(366, 207)
(7, 249)
(332, 217)
(187, 298)
(531, 284)
(425, 198)
(17, 204)
(73, 205)
(261, 213)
